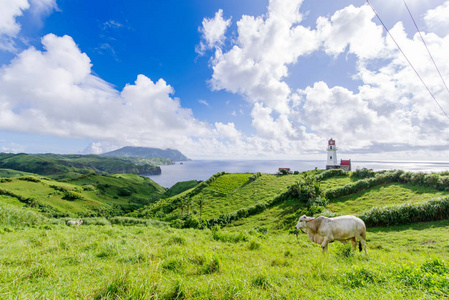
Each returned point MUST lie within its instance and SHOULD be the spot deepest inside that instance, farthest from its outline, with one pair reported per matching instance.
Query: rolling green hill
(86, 195)
(72, 165)
(250, 252)
(276, 201)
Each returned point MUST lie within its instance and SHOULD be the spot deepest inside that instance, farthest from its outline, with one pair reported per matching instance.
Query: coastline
(203, 169)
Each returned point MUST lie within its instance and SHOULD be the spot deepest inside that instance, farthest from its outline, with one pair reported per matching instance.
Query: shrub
(124, 192)
(72, 196)
(30, 178)
(430, 210)
(363, 173)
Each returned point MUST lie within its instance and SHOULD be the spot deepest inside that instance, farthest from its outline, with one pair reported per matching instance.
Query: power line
(405, 56)
(425, 44)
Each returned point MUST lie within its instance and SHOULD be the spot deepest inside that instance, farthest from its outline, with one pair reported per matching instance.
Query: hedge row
(384, 177)
(431, 210)
(361, 185)
(331, 173)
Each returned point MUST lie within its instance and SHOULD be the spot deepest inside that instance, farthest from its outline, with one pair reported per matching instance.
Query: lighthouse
(332, 155)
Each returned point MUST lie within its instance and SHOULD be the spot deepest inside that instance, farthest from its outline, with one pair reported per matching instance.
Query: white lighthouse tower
(332, 155)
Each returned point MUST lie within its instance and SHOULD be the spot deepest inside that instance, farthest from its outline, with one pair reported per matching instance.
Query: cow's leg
(354, 243)
(324, 244)
(362, 239)
(363, 244)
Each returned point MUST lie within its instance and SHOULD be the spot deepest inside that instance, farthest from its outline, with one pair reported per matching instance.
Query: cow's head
(302, 221)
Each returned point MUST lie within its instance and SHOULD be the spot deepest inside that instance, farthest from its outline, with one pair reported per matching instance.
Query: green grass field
(254, 257)
(116, 262)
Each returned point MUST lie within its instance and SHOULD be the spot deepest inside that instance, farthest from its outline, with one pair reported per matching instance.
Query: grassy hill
(59, 166)
(253, 256)
(276, 201)
(86, 195)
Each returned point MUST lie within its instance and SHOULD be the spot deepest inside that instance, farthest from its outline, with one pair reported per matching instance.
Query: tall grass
(19, 217)
(130, 262)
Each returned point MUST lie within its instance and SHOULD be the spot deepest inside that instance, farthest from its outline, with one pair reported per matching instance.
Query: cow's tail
(360, 246)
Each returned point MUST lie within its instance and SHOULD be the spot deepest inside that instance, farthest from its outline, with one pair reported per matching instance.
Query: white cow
(77, 223)
(324, 230)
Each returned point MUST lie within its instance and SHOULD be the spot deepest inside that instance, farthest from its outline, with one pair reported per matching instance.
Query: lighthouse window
(330, 147)
(331, 156)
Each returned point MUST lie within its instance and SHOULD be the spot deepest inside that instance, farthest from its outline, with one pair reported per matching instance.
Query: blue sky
(224, 79)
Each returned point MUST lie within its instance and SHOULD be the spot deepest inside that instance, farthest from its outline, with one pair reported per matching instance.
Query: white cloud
(437, 19)
(351, 28)
(213, 32)
(54, 92)
(391, 112)
(13, 148)
(10, 10)
(9, 28)
(112, 24)
(228, 131)
(257, 63)
(204, 102)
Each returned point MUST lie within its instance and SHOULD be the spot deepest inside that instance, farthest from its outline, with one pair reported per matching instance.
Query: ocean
(203, 169)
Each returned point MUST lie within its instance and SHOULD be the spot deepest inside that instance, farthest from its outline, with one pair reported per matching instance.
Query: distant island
(156, 155)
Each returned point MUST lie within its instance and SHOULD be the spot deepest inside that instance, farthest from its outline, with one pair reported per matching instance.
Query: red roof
(345, 162)
(331, 142)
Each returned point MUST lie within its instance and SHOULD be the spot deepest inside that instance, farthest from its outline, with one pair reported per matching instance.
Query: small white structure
(332, 162)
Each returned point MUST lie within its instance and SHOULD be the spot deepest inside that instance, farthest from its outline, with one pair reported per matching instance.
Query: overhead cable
(405, 56)
(425, 44)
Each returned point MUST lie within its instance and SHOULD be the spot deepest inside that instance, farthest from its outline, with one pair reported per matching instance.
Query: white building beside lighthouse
(332, 162)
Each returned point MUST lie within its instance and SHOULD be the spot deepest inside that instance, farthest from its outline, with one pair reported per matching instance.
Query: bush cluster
(29, 178)
(363, 173)
(363, 184)
(254, 177)
(431, 210)
(331, 173)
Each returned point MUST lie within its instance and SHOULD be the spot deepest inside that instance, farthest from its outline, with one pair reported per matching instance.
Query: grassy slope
(98, 193)
(383, 195)
(118, 262)
(180, 187)
(140, 263)
(231, 192)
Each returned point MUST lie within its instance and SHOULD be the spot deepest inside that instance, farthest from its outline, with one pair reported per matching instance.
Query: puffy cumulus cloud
(9, 28)
(340, 113)
(54, 92)
(437, 19)
(351, 28)
(228, 131)
(213, 32)
(391, 111)
(10, 10)
(256, 64)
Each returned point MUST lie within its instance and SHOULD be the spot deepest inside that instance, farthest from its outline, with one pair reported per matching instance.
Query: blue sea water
(203, 169)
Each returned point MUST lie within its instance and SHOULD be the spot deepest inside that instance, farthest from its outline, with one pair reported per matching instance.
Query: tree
(201, 203)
